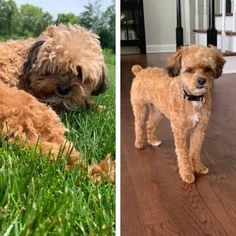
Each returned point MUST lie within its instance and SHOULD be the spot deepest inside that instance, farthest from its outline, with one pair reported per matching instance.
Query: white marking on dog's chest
(195, 117)
(196, 104)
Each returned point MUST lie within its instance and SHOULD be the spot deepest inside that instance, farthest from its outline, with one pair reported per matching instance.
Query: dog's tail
(136, 69)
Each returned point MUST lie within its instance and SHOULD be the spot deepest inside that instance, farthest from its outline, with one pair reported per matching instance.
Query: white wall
(160, 23)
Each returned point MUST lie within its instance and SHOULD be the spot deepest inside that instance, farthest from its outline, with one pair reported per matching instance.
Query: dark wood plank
(154, 201)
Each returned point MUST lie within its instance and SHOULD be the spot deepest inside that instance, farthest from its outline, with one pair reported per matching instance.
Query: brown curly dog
(182, 94)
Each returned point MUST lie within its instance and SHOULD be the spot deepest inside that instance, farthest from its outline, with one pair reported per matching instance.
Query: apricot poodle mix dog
(63, 67)
(33, 123)
(184, 99)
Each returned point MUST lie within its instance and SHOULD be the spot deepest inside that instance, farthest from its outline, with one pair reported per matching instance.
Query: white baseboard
(161, 48)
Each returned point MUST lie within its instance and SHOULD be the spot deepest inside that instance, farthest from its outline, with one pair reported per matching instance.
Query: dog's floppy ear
(79, 73)
(30, 60)
(103, 83)
(32, 56)
(219, 62)
(174, 63)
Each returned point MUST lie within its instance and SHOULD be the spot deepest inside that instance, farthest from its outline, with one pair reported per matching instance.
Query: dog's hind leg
(139, 110)
(154, 118)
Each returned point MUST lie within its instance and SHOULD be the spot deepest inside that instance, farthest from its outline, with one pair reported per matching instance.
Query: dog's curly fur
(153, 90)
(30, 122)
(63, 67)
(12, 54)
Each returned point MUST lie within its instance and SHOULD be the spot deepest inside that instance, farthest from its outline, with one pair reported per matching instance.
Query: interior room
(154, 200)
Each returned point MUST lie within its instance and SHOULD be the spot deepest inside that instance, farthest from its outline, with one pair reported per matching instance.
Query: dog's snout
(201, 80)
(63, 89)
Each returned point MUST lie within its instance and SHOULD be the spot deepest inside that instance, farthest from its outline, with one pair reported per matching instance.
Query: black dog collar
(190, 97)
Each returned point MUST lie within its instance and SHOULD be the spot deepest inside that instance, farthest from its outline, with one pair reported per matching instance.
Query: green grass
(42, 198)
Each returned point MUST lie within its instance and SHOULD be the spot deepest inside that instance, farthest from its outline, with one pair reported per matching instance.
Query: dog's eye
(190, 70)
(207, 69)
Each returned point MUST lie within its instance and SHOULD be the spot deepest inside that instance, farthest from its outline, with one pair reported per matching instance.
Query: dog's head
(65, 66)
(196, 67)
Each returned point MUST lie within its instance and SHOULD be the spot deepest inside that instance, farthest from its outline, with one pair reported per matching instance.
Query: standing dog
(184, 99)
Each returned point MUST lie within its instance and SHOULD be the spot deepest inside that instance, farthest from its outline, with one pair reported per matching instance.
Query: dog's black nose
(63, 89)
(201, 80)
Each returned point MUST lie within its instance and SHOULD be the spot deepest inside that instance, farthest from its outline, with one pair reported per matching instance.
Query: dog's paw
(139, 145)
(188, 178)
(103, 171)
(201, 170)
(155, 143)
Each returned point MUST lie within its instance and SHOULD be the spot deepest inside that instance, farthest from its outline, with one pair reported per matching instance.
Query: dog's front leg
(184, 162)
(196, 140)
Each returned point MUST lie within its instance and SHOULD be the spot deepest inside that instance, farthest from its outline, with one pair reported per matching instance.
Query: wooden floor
(154, 201)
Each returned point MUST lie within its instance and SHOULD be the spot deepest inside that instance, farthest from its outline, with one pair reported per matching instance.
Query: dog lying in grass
(63, 67)
(30, 122)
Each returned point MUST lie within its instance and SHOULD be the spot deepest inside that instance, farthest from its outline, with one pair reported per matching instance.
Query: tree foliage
(30, 21)
(107, 30)
(100, 22)
(91, 17)
(33, 20)
(8, 18)
(67, 18)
